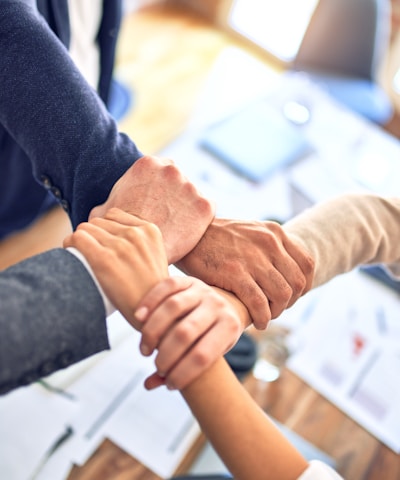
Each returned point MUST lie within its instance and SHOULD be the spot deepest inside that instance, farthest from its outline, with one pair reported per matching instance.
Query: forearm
(348, 231)
(54, 115)
(245, 438)
(247, 441)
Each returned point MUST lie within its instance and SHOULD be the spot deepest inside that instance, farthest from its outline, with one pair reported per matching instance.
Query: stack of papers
(347, 346)
(45, 433)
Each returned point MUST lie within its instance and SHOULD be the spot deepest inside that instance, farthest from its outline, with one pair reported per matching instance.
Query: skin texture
(128, 258)
(155, 190)
(247, 441)
(121, 250)
(256, 261)
(202, 325)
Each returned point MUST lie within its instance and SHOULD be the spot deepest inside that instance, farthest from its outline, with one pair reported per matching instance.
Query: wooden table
(166, 75)
(358, 454)
(109, 462)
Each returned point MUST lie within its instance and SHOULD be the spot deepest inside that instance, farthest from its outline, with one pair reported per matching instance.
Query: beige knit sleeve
(347, 231)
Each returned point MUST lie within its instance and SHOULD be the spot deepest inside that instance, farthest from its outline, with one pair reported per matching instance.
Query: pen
(68, 432)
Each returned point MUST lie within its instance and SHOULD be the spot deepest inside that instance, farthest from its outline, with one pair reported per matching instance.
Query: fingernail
(145, 349)
(170, 386)
(141, 313)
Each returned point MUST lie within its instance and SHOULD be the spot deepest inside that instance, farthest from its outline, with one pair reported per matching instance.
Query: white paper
(349, 351)
(106, 400)
(157, 427)
(31, 421)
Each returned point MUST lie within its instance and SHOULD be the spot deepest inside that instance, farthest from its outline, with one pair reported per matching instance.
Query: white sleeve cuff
(319, 471)
(108, 306)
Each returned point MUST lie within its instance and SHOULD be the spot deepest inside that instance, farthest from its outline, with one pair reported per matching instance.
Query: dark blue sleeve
(55, 116)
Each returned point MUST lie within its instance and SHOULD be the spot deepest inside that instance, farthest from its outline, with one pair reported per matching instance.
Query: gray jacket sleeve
(51, 316)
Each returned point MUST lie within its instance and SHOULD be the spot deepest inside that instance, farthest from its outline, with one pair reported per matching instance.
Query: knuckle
(172, 172)
(299, 284)
(79, 232)
(233, 330)
(120, 247)
(259, 303)
(260, 311)
(204, 206)
(152, 230)
(146, 160)
(200, 358)
(113, 213)
(172, 304)
(284, 293)
(130, 234)
(235, 325)
(183, 332)
(150, 337)
(172, 283)
(309, 265)
(273, 226)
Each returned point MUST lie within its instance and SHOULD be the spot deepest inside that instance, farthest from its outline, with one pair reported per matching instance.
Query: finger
(86, 243)
(104, 231)
(154, 381)
(202, 355)
(67, 242)
(114, 227)
(298, 274)
(164, 321)
(304, 261)
(141, 237)
(159, 294)
(181, 338)
(124, 218)
(252, 295)
(277, 289)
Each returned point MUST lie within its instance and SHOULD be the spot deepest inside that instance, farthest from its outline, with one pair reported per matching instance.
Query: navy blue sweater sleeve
(55, 116)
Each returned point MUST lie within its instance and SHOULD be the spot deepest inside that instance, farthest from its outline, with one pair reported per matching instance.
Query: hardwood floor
(164, 57)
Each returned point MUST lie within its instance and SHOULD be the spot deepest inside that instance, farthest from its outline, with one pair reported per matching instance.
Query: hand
(126, 254)
(155, 190)
(191, 325)
(256, 261)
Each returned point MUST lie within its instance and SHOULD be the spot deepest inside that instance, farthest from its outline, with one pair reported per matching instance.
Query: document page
(348, 349)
